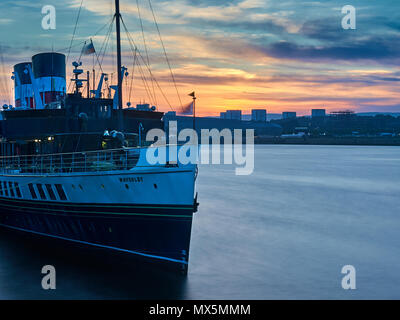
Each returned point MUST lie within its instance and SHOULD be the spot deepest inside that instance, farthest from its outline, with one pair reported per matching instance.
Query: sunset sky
(285, 55)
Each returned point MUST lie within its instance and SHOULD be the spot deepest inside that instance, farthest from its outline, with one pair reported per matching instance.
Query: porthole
(73, 187)
(80, 187)
(155, 186)
(102, 186)
(127, 187)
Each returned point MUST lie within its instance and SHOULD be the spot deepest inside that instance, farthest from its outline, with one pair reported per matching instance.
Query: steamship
(74, 167)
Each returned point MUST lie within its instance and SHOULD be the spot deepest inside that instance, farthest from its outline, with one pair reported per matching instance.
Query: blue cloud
(373, 48)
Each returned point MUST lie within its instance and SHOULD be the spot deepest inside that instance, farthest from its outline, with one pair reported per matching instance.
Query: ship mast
(119, 64)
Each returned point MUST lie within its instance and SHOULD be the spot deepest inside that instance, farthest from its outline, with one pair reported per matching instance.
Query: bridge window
(41, 191)
(50, 192)
(17, 190)
(10, 184)
(60, 191)
(5, 188)
(32, 191)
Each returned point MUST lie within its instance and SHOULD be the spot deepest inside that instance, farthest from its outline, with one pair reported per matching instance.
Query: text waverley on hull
(73, 166)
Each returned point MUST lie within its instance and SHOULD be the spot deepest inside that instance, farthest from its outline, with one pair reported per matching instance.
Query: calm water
(283, 233)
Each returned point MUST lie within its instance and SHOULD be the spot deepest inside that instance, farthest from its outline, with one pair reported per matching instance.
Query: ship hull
(161, 234)
(155, 224)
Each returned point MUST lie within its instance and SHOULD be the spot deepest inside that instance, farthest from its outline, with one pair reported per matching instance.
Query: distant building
(259, 115)
(346, 114)
(315, 113)
(222, 115)
(289, 115)
(208, 123)
(234, 114)
(303, 130)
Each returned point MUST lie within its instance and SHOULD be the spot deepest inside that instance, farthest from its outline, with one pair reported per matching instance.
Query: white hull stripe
(102, 205)
(43, 211)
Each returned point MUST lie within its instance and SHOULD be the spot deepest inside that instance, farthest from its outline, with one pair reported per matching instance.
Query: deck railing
(88, 161)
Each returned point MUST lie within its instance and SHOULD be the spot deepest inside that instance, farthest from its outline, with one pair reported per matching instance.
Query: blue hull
(154, 232)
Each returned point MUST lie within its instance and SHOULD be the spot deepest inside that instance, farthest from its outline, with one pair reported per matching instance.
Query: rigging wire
(104, 48)
(4, 83)
(142, 74)
(143, 77)
(3, 89)
(132, 44)
(82, 42)
(165, 53)
(110, 24)
(145, 84)
(133, 76)
(73, 35)
(145, 45)
(74, 46)
(136, 55)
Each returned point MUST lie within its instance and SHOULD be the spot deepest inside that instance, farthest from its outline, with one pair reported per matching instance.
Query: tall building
(234, 114)
(222, 115)
(318, 113)
(259, 115)
(289, 115)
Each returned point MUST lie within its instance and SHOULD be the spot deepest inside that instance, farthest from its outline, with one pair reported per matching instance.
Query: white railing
(88, 161)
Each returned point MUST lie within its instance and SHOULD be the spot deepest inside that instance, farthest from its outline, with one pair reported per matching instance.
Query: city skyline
(239, 54)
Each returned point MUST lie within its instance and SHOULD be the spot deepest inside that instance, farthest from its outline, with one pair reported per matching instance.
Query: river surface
(284, 232)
